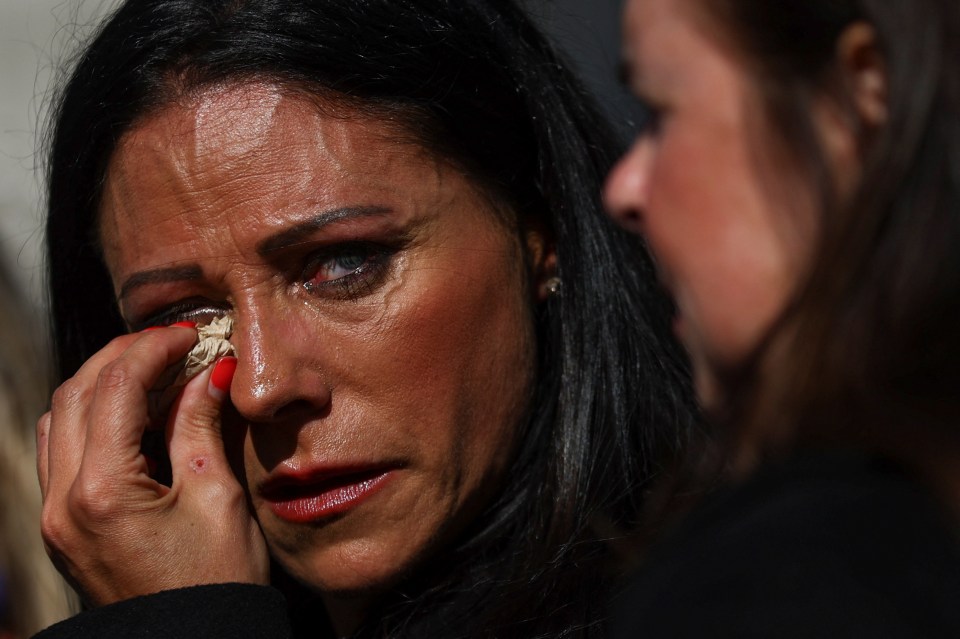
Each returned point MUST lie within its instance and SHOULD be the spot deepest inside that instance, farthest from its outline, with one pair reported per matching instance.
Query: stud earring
(552, 285)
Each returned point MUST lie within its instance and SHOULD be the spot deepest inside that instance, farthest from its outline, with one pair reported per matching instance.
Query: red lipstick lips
(321, 494)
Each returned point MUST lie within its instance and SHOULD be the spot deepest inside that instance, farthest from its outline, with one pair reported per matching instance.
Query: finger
(69, 412)
(43, 452)
(194, 430)
(118, 413)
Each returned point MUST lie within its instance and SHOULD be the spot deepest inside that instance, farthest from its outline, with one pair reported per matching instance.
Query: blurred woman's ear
(864, 74)
(855, 106)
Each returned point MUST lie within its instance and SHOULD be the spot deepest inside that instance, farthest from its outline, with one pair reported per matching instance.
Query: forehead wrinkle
(242, 132)
(204, 185)
(216, 142)
(154, 154)
(234, 121)
(263, 161)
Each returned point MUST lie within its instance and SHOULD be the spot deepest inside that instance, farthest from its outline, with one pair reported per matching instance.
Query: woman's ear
(864, 73)
(542, 258)
(855, 106)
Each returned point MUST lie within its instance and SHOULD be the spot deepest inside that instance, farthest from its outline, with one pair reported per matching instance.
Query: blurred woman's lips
(316, 494)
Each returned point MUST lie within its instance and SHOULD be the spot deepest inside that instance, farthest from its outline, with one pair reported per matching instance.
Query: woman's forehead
(243, 122)
(246, 165)
(237, 120)
(252, 136)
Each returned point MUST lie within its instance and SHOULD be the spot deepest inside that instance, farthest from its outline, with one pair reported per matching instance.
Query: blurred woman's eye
(347, 270)
(651, 118)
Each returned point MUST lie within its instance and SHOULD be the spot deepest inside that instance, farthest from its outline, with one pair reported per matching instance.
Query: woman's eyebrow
(302, 230)
(285, 238)
(160, 276)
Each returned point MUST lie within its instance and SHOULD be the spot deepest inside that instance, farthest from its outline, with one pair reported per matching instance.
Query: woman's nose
(278, 372)
(626, 193)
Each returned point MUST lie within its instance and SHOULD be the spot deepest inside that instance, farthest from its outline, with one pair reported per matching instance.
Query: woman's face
(691, 184)
(382, 318)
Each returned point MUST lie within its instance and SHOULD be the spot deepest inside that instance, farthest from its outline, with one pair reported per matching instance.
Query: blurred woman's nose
(278, 372)
(626, 193)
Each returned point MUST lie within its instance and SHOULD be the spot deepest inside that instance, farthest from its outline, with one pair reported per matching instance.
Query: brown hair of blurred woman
(871, 336)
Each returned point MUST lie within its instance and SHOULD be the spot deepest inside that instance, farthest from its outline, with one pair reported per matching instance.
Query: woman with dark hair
(452, 374)
(799, 187)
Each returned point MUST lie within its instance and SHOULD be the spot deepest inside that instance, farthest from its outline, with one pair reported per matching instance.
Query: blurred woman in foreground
(799, 185)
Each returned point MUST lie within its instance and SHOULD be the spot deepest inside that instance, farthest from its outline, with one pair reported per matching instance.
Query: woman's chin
(706, 382)
(707, 389)
(350, 560)
(350, 578)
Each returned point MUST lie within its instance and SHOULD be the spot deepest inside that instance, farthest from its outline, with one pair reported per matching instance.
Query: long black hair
(870, 344)
(477, 83)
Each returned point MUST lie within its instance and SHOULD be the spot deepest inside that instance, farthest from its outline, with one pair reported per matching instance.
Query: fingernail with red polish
(185, 324)
(152, 328)
(221, 376)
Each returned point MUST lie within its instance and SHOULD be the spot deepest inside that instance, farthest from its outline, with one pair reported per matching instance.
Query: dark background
(588, 33)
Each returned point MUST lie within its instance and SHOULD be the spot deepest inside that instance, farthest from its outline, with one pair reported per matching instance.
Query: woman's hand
(111, 528)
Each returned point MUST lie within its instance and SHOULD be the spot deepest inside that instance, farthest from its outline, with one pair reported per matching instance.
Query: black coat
(231, 611)
(824, 546)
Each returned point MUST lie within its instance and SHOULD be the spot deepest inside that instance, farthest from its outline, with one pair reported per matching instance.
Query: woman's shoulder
(831, 544)
(220, 610)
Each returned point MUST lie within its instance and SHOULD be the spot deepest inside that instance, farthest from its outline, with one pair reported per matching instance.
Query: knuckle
(53, 528)
(115, 376)
(219, 485)
(43, 426)
(69, 393)
(91, 500)
(226, 494)
(200, 422)
(198, 417)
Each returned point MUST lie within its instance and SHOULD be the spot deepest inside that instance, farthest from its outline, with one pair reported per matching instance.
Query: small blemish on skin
(198, 465)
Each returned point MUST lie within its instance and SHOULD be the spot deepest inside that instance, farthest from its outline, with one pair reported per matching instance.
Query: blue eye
(327, 269)
(350, 262)
(348, 268)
